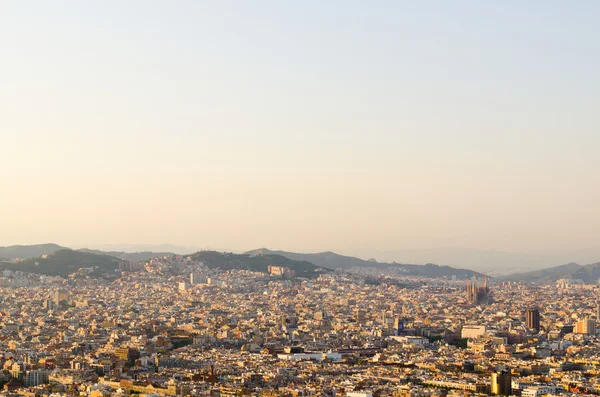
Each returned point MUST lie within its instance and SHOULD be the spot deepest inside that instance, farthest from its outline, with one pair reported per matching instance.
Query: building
(60, 296)
(127, 354)
(128, 266)
(472, 331)
(411, 340)
(387, 319)
(282, 271)
(399, 325)
(17, 371)
(587, 326)
(196, 278)
(232, 391)
(532, 320)
(36, 377)
(479, 388)
(183, 286)
(537, 391)
(477, 294)
(361, 317)
(501, 383)
(12, 327)
(567, 283)
(49, 304)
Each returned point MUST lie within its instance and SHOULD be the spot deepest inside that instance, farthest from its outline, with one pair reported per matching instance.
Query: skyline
(491, 262)
(312, 127)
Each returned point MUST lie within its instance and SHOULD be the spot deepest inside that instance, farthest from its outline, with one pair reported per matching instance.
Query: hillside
(588, 273)
(259, 263)
(332, 260)
(64, 262)
(28, 251)
(130, 256)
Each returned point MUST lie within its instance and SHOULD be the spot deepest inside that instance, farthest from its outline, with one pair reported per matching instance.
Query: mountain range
(259, 260)
(28, 251)
(35, 251)
(130, 256)
(589, 274)
(331, 260)
(67, 259)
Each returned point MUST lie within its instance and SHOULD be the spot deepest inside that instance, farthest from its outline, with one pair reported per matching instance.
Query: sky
(352, 126)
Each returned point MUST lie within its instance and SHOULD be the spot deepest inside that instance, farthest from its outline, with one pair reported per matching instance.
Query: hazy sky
(308, 125)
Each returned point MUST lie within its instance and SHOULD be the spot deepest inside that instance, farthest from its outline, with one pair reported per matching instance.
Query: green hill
(64, 262)
(258, 263)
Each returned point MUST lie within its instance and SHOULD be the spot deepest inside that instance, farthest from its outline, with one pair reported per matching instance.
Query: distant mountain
(588, 273)
(64, 262)
(332, 260)
(130, 256)
(28, 251)
(167, 248)
(259, 263)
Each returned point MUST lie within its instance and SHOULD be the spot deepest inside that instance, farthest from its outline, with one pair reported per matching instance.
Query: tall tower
(399, 326)
(501, 383)
(532, 319)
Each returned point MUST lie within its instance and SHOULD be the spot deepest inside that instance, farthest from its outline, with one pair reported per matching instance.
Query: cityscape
(276, 198)
(173, 326)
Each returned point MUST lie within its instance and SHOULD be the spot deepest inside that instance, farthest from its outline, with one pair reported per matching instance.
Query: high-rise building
(501, 383)
(598, 311)
(399, 325)
(587, 326)
(532, 319)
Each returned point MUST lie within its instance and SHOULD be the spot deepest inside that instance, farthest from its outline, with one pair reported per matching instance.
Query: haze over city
(460, 133)
(299, 199)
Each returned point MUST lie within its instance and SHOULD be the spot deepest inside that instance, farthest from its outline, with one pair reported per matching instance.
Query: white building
(332, 356)
(472, 331)
(412, 340)
(537, 391)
